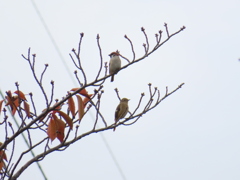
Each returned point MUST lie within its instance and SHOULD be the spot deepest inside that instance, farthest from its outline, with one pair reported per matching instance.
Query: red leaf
(21, 95)
(80, 107)
(27, 109)
(52, 129)
(66, 118)
(71, 106)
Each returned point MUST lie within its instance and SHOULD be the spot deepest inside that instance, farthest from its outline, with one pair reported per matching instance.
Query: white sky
(193, 134)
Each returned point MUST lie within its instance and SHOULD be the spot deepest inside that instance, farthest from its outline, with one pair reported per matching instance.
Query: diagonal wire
(25, 139)
(74, 81)
(111, 152)
(53, 41)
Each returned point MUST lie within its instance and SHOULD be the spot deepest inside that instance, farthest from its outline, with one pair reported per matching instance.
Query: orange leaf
(9, 98)
(71, 106)
(60, 127)
(80, 107)
(16, 103)
(58, 108)
(82, 92)
(74, 89)
(66, 118)
(12, 101)
(1, 165)
(21, 95)
(27, 109)
(52, 129)
(3, 155)
(41, 119)
(1, 106)
(86, 100)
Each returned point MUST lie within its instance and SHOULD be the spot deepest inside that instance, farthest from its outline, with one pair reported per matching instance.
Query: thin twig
(132, 48)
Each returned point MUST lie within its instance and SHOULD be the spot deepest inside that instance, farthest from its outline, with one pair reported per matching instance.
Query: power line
(25, 139)
(74, 81)
(53, 41)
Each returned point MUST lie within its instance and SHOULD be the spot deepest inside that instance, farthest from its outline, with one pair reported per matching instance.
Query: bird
(114, 64)
(121, 110)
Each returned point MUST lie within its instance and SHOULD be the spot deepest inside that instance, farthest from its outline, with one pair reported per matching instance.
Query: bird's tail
(112, 78)
(115, 126)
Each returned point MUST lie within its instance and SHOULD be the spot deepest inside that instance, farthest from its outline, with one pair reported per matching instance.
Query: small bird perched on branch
(121, 110)
(114, 64)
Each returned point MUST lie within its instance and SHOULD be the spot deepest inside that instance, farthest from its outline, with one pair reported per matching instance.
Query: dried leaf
(82, 92)
(58, 108)
(66, 118)
(1, 165)
(80, 107)
(1, 106)
(71, 106)
(60, 133)
(52, 129)
(21, 95)
(15, 104)
(60, 127)
(3, 155)
(86, 100)
(12, 101)
(74, 89)
(27, 109)
(9, 98)
(41, 119)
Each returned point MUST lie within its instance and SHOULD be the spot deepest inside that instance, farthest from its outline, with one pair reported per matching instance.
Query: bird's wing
(117, 113)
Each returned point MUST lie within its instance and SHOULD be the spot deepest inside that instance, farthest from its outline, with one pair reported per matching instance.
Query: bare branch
(129, 40)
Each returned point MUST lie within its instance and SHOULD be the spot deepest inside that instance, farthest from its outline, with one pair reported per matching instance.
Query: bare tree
(55, 122)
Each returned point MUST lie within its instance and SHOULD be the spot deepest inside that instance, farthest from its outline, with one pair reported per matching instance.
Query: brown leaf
(60, 127)
(86, 100)
(27, 109)
(21, 95)
(58, 108)
(66, 118)
(15, 104)
(82, 92)
(1, 106)
(1, 165)
(9, 98)
(52, 129)
(3, 155)
(12, 101)
(80, 107)
(71, 106)
(41, 119)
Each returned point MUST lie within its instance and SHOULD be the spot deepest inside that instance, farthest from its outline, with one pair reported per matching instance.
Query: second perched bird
(114, 64)
(121, 110)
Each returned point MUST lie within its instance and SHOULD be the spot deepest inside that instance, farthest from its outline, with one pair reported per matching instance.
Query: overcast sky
(193, 134)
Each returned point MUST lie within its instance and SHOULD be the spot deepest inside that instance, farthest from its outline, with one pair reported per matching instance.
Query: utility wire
(74, 81)
(111, 152)
(25, 139)
(53, 41)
